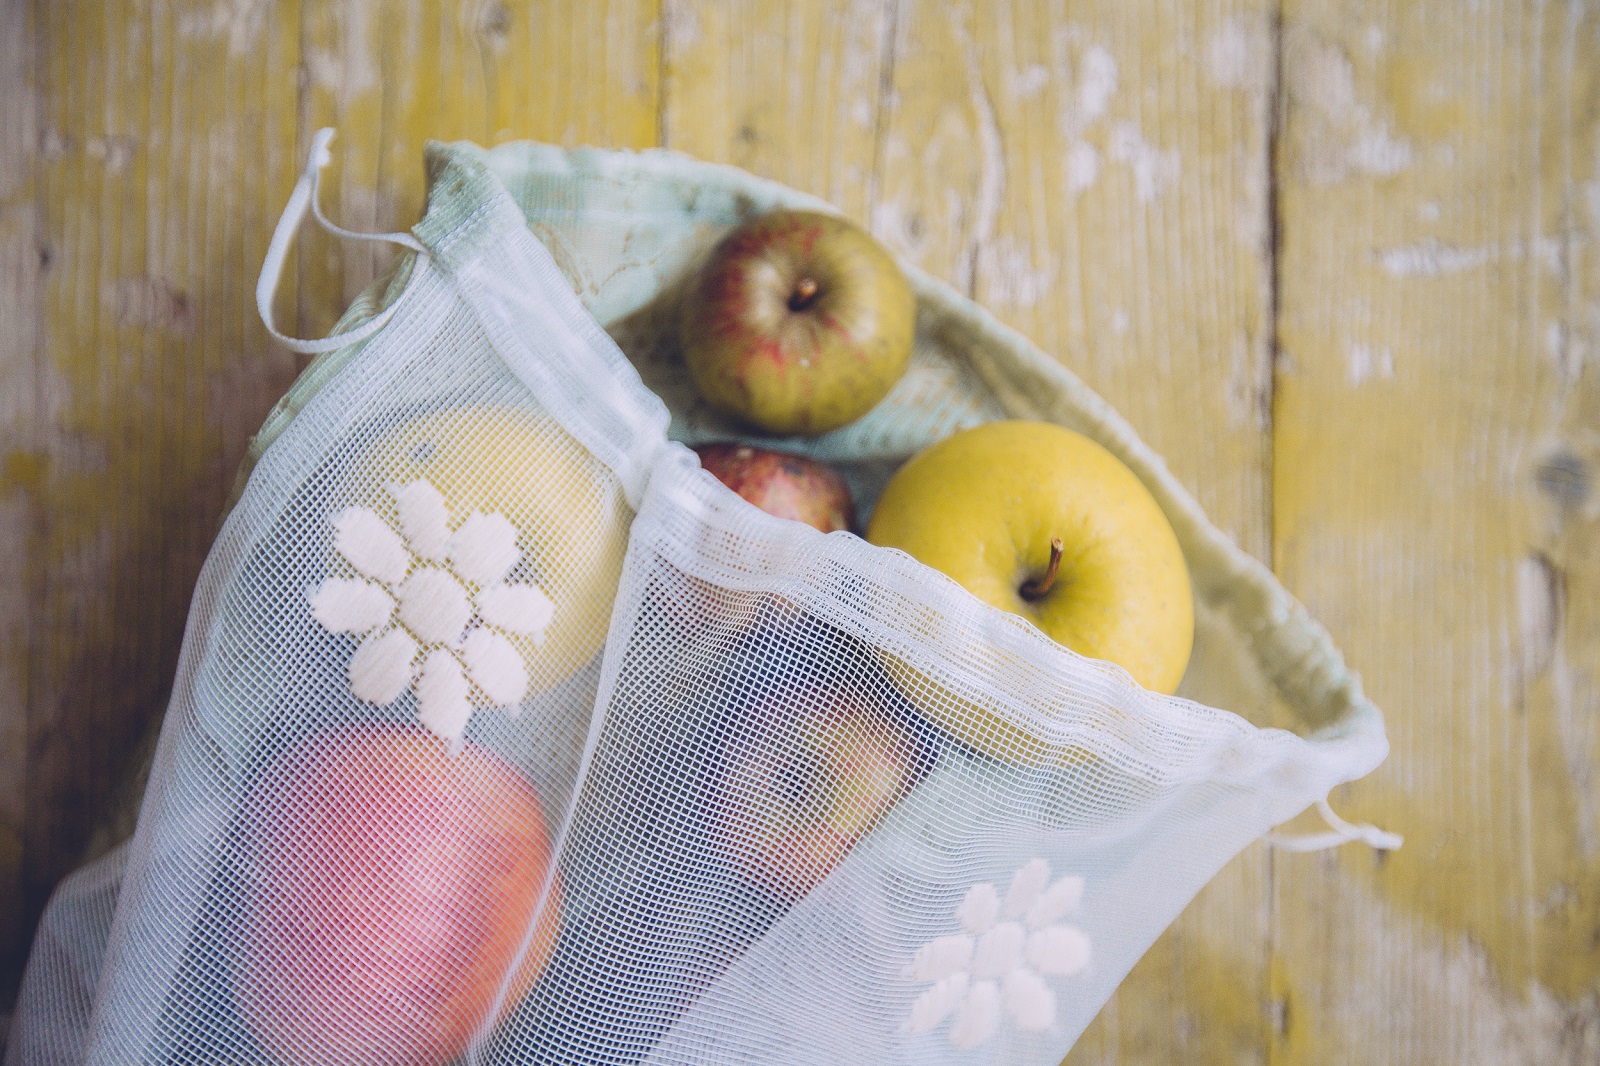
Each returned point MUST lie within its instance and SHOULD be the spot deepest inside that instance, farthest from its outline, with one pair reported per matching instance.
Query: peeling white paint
(1376, 150)
(1030, 81)
(238, 21)
(1367, 363)
(1337, 135)
(114, 153)
(1152, 167)
(1236, 55)
(1097, 82)
(1082, 165)
(682, 23)
(1431, 258)
(1454, 1006)
(1555, 340)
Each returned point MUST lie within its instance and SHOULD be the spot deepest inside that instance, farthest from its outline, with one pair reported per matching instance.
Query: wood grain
(1404, 196)
(1433, 459)
(21, 270)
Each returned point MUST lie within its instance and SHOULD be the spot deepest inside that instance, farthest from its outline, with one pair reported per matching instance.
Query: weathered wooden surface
(1334, 259)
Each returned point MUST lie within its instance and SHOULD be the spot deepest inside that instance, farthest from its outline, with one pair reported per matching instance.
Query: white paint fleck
(1121, 321)
(1230, 57)
(1555, 340)
(115, 153)
(683, 24)
(1152, 167)
(1428, 211)
(1377, 151)
(1431, 258)
(1367, 363)
(239, 21)
(1337, 135)
(1093, 87)
(895, 227)
(1097, 81)
(1083, 166)
(1373, 39)
(1030, 81)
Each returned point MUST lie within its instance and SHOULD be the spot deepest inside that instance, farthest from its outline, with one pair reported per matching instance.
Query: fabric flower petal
(980, 909)
(521, 609)
(369, 545)
(977, 1018)
(497, 667)
(484, 548)
(999, 951)
(942, 957)
(1056, 902)
(434, 606)
(381, 668)
(344, 605)
(1028, 1000)
(424, 519)
(935, 1004)
(1059, 950)
(442, 695)
(1026, 885)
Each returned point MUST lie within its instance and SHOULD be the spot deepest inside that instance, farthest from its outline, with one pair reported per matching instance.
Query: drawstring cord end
(1340, 832)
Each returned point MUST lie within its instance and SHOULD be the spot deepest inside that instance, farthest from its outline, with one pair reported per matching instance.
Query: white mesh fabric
(650, 777)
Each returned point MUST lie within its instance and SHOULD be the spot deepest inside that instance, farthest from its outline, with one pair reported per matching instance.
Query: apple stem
(805, 290)
(1035, 588)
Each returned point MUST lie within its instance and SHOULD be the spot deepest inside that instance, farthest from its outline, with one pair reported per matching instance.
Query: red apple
(802, 784)
(789, 486)
(799, 323)
(388, 889)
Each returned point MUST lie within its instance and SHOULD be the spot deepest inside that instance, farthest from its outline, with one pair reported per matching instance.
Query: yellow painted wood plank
(392, 77)
(788, 90)
(1435, 506)
(158, 139)
(21, 238)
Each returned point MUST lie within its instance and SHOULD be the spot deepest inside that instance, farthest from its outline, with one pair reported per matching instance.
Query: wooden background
(1335, 258)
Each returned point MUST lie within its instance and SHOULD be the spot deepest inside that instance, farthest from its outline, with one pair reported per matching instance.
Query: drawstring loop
(301, 201)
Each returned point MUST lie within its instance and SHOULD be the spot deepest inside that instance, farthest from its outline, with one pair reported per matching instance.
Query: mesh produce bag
(504, 733)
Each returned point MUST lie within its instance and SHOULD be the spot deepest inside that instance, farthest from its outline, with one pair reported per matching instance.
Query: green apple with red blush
(799, 323)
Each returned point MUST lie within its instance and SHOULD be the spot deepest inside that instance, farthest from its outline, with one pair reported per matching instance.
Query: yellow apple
(1045, 523)
(569, 514)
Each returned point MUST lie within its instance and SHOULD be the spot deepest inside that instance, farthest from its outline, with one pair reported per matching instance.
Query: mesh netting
(503, 733)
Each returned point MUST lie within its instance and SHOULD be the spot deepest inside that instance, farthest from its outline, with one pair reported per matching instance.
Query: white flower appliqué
(998, 962)
(447, 587)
